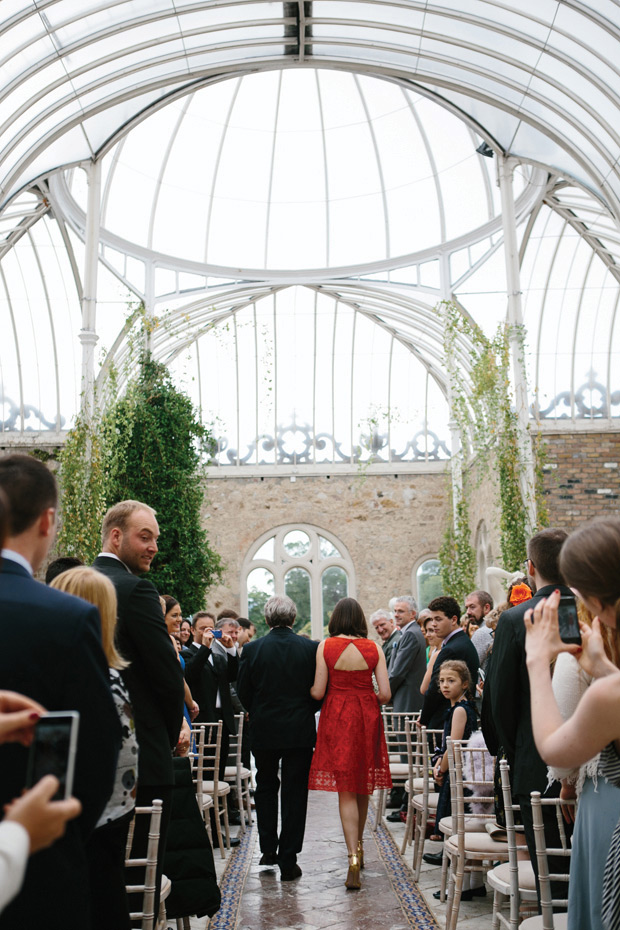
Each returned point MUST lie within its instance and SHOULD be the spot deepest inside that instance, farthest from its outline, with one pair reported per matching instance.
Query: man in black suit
(446, 614)
(506, 715)
(209, 672)
(153, 677)
(50, 650)
(276, 673)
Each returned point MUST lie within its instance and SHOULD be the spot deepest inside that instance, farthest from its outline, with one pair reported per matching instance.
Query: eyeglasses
(526, 565)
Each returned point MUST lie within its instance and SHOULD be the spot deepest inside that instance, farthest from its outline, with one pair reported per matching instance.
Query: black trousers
(105, 853)
(145, 796)
(557, 864)
(293, 793)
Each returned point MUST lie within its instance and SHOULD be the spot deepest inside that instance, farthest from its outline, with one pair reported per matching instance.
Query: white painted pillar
(456, 447)
(88, 332)
(505, 168)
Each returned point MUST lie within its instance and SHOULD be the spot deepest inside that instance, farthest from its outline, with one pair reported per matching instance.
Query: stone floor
(254, 898)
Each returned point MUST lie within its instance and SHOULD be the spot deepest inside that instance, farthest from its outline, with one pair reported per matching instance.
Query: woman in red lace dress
(350, 756)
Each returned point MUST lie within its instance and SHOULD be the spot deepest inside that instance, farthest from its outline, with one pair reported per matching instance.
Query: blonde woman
(105, 848)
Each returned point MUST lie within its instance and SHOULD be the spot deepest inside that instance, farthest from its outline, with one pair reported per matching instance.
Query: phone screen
(568, 621)
(52, 752)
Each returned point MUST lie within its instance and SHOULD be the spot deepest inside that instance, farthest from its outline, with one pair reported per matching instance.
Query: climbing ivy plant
(147, 445)
(484, 412)
(457, 558)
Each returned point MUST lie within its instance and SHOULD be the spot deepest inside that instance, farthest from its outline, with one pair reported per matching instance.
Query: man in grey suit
(406, 671)
(408, 660)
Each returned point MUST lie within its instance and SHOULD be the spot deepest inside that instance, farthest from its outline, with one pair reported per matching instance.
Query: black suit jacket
(154, 677)
(507, 697)
(276, 673)
(206, 679)
(51, 651)
(435, 704)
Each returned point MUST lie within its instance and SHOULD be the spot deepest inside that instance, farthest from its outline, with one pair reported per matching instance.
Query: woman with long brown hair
(350, 756)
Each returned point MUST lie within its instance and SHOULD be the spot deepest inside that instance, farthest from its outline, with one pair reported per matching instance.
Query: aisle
(254, 898)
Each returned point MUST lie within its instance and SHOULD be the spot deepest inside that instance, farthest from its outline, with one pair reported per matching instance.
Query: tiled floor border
(232, 883)
(400, 876)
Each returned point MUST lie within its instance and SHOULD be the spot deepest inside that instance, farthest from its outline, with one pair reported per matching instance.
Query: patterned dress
(609, 768)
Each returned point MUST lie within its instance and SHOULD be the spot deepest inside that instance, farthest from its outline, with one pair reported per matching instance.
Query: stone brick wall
(582, 476)
(386, 523)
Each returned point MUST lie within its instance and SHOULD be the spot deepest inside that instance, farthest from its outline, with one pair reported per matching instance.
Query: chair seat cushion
(231, 772)
(501, 875)
(219, 787)
(472, 825)
(399, 769)
(418, 786)
(432, 800)
(560, 922)
(478, 846)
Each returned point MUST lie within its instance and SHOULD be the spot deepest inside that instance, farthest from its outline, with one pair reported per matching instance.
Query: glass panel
(428, 577)
(267, 550)
(296, 543)
(260, 586)
(334, 586)
(327, 550)
(297, 587)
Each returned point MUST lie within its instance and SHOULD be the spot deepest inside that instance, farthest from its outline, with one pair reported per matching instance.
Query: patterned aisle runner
(254, 898)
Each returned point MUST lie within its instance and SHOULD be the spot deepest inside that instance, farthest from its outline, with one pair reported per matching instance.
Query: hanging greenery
(83, 488)
(148, 445)
(155, 447)
(456, 556)
(487, 421)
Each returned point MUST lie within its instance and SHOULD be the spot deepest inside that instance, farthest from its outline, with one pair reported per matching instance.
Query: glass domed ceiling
(297, 169)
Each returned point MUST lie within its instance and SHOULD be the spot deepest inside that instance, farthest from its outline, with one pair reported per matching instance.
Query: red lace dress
(350, 753)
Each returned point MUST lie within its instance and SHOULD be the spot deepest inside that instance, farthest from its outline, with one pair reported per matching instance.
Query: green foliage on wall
(483, 407)
(149, 446)
(83, 490)
(456, 556)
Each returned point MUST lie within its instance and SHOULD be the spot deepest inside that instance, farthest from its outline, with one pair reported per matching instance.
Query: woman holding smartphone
(590, 564)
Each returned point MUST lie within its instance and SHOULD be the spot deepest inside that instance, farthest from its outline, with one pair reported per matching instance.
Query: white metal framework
(245, 158)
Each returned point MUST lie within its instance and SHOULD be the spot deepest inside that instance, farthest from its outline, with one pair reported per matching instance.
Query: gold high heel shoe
(360, 853)
(353, 875)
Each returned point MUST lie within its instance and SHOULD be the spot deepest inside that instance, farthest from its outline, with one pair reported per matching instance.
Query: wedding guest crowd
(104, 642)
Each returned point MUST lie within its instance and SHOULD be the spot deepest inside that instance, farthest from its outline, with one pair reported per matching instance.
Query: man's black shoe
(234, 841)
(268, 859)
(467, 895)
(395, 817)
(290, 874)
(433, 858)
(234, 818)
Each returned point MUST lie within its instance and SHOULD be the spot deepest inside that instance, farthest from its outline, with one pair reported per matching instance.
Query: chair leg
(218, 825)
(241, 807)
(453, 912)
(248, 800)
(498, 900)
(226, 824)
(421, 820)
(379, 808)
(444, 875)
(408, 827)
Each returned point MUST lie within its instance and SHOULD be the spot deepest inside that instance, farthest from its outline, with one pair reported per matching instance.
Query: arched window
(305, 562)
(426, 581)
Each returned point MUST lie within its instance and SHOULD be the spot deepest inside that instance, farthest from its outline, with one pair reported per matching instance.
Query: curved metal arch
(605, 181)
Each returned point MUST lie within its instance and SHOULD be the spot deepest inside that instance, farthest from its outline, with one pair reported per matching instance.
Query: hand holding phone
(568, 620)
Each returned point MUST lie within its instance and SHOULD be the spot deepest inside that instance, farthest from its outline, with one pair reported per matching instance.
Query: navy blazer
(51, 651)
(276, 673)
(435, 704)
(154, 677)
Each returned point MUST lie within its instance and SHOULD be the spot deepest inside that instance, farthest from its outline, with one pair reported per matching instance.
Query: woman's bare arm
(321, 676)
(383, 681)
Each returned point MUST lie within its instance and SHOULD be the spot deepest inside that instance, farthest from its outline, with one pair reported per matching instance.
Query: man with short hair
(245, 633)
(506, 714)
(60, 565)
(64, 669)
(388, 632)
(154, 678)
(227, 613)
(408, 659)
(478, 605)
(276, 673)
(456, 644)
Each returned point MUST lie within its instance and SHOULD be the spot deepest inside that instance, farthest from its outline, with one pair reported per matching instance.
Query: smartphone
(217, 634)
(568, 621)
(52, 751)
